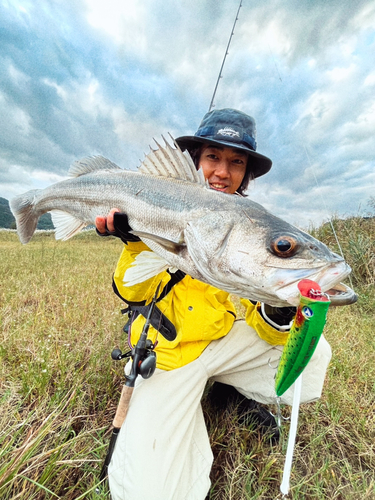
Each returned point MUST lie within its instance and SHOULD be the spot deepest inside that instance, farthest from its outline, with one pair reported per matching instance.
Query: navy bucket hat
(229, 128)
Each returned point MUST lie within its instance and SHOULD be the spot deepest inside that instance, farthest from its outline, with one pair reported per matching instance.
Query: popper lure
(303, 338)
(304, 335)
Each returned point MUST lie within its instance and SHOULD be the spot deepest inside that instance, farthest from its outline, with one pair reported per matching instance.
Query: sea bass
(224, 240)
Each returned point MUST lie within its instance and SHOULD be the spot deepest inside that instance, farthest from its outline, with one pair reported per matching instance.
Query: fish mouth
(329, 279)
(341, 295)
(332, 275)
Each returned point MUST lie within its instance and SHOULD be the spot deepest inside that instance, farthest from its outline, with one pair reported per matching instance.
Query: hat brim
(258, 164)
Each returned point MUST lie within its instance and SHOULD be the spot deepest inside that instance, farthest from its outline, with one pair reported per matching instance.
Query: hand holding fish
(105, 224)
(115, 224)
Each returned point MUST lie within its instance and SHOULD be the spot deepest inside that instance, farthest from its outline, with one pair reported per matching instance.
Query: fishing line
(325, 207)
(310, 165)
(285, 484)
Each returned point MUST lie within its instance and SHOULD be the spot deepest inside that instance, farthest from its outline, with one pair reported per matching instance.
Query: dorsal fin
(167, 161)
(91, 164)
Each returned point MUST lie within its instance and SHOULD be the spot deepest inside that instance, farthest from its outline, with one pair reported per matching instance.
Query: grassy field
(59, 387)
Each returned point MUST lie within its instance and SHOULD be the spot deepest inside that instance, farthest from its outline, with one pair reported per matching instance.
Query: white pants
(163, 450)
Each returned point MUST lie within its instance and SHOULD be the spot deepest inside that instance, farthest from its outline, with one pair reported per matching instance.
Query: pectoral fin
(172, 246)
(146, 265)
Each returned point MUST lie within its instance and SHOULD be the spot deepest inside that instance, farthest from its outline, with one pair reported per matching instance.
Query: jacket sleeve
(142, 292)
(265, 331)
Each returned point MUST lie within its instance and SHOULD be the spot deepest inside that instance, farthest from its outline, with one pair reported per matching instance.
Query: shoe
(249, 412)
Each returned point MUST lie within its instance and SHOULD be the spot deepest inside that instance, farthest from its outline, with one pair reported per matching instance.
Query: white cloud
(364, 18)
(369, 80)
(340, 74)
(121, 20)
(17, 76)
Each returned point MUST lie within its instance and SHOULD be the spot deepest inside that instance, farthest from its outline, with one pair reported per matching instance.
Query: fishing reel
(145, 361)
(142, 354)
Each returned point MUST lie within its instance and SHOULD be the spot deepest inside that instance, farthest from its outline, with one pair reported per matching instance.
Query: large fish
(227, 241)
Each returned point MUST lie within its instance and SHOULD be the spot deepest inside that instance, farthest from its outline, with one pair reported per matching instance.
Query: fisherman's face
(223, 167)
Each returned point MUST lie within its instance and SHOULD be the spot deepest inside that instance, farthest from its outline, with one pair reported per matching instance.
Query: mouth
(341, 295)
(217, 186)
(329, 278)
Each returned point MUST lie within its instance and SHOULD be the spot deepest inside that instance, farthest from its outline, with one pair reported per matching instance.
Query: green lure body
(304, 335)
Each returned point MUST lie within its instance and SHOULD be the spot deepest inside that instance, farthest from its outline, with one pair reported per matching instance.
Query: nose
(222, 169)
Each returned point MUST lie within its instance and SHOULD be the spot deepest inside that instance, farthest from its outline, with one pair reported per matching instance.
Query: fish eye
(284, 246)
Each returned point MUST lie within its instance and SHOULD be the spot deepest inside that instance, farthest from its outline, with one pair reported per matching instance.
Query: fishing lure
(304, 334)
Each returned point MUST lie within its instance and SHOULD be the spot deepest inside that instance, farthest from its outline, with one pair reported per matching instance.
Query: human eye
(212, 156)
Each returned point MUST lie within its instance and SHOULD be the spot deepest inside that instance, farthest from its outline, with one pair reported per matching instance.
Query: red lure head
(312, 290)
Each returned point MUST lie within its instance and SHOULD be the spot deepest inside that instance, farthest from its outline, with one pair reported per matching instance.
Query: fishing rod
(225, 56)
(144, 364)
(143, 355)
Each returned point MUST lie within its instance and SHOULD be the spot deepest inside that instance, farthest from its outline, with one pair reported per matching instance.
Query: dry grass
(60, 321)
(59, 388)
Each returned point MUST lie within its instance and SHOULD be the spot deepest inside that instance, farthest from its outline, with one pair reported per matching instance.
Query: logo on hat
(229, 132)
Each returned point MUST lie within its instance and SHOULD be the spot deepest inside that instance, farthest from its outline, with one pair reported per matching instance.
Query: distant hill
(7, 220)
(6, 217)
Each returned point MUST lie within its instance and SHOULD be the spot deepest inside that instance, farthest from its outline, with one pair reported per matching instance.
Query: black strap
(158, 320)
(175, 278)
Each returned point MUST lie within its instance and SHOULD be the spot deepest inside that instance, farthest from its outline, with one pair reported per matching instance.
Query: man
(163, 450)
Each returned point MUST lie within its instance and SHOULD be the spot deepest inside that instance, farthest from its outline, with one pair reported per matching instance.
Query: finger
(110, 225)
(100, 223)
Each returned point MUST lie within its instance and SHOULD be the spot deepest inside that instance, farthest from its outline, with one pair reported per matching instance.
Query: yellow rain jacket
(199, 312)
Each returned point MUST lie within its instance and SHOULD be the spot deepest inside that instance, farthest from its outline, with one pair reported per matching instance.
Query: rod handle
(123, 406)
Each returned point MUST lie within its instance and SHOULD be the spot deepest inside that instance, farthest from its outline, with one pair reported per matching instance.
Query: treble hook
(279, 416)
(273, 367)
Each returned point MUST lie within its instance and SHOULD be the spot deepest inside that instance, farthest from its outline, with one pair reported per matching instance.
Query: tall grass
(59, 387)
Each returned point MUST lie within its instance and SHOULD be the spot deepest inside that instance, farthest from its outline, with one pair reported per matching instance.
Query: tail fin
(22, 207)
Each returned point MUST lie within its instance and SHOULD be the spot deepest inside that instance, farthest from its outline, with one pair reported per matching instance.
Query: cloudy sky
(85, 77)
